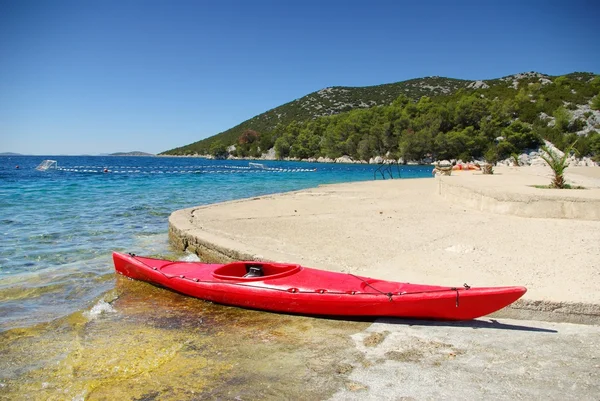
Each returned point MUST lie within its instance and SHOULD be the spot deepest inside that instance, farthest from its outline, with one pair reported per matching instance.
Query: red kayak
(291, 288)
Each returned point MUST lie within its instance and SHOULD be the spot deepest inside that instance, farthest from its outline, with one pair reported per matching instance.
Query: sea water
(70, 329)
(60, 226)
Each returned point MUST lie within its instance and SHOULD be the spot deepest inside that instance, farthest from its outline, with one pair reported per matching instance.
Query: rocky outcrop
(478, 85)
(344, 159)
(590, 117)
(533, 158)
(583, 114)
(270, 155)
(515, 78)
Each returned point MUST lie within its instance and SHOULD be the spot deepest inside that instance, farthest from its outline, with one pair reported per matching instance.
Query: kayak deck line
(294, 290)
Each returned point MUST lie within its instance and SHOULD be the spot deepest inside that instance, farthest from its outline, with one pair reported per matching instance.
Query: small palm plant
(558, 164)
(491, 157)
(515, 160)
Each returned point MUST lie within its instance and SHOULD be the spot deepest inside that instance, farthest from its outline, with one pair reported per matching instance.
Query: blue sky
(89, 77)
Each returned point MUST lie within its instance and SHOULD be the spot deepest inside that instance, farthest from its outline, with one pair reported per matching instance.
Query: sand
(465, 228)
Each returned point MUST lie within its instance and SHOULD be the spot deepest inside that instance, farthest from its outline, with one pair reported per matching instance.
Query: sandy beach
(445, 230)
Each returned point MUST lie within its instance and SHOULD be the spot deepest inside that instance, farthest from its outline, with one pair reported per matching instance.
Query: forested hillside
(327, 102)
(434, 118)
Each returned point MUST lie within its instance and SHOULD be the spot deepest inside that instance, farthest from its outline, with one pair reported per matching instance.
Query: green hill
(419, 117)
(326, 102)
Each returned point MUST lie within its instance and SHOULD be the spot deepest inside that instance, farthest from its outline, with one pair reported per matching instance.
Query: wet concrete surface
(482, 359)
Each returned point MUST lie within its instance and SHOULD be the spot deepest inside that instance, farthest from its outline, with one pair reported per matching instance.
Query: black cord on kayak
(467, 287)
(389, 294)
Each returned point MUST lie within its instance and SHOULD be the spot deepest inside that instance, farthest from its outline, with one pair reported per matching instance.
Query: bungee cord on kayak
(377, 292)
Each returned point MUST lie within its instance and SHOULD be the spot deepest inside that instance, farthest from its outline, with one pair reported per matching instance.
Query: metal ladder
(387, 168)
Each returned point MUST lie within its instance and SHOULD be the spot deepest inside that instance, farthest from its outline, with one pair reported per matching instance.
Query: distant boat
(46, 165)
(256, 165)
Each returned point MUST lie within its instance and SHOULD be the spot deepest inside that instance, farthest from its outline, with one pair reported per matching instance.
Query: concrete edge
(523, 205)
(550, 311)
(185, 236)
(207, 251)
(214, 249)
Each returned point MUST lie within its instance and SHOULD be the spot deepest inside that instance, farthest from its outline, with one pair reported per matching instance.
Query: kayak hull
(289, 288)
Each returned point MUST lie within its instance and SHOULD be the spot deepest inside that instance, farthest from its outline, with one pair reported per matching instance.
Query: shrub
(596, 103)
(557, 163)
(491, 158)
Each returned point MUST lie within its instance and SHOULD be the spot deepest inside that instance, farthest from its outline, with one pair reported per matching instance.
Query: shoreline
(379, 160)
(404, 230)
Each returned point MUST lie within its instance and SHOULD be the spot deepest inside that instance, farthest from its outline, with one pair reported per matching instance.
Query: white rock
(524, 159)
(376, 160)
(537, 161)
(478, 85)
(554, 149)
(270, 155)
(344, 159)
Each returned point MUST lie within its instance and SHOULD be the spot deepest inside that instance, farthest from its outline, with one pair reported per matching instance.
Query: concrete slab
(483, 359)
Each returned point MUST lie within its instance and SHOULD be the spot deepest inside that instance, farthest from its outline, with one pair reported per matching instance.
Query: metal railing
(387, 168)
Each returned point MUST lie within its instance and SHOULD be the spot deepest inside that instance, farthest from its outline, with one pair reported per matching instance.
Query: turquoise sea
(60, 226)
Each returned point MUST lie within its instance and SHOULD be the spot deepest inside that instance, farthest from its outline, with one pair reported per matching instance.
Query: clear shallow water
(148, 343)
(59, 227)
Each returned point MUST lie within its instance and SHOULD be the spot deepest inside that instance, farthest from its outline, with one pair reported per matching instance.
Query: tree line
(490, 123)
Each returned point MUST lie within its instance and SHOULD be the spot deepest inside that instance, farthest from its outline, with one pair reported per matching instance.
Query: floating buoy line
(206, 169)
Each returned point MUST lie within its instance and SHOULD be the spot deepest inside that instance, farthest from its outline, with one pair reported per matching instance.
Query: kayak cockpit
(252, 271)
